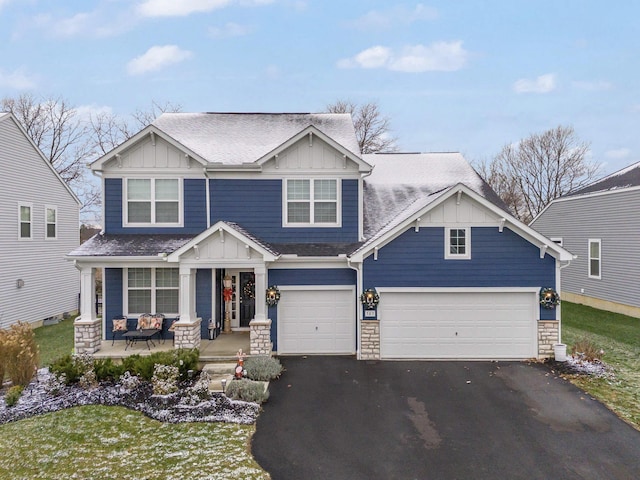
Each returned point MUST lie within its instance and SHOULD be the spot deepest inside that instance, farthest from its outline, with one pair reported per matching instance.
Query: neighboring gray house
(39, 224)
(601, 225)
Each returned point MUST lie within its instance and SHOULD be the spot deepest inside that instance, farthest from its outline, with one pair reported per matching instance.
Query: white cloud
(98, 23)
(542, 84)
(398, 15)
(4, 3)
(618, 153)
(593, 86)
(179, 8)
(228, 30)
(85, 112)
(157, 58)
(17, 80)
(439, 56)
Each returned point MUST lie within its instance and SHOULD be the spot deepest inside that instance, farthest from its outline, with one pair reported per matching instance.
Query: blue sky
(464, 76)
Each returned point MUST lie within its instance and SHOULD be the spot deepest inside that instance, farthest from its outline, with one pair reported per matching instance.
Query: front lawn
(54, 341)
(619, 336)
(96, 442)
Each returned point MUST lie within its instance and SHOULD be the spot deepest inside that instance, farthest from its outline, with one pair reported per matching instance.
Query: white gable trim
(505, 218)
(221, 228)
(150, 131)
(10, 115)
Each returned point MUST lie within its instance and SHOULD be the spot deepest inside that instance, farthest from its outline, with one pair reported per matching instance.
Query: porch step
(217, 372)
(215, 384)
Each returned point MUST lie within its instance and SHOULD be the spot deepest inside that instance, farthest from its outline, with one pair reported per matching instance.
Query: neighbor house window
(152, 201)
(152, 290)
(51, 222)
(595, 258)
(312, 202)
(457, 243)
(25, 221)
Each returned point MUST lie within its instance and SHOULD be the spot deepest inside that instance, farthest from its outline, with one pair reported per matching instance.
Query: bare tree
(372, 128)
(144, 117)
(544, 166)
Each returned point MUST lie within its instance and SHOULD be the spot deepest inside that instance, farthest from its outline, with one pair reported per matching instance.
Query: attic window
(311, 202)
(152, 201)
(457, 243)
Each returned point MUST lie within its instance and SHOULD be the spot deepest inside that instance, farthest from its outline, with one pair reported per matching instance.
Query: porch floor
(222, 349)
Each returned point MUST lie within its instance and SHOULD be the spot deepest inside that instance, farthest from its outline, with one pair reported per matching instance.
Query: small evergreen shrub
(67, 369)
(263, 368)
(129, 382)
(183, 359)
(587, 350)
(247, 390)
(19, 353)
(165, 379)
(106, 369)
(13, 395)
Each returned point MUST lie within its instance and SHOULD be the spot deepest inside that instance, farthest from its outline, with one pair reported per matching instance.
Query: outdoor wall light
(370, 298)
(273, 295)
(20, 283)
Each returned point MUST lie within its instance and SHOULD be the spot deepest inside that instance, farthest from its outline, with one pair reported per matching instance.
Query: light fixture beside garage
(370, 298)
(549, 298)
(273, 295)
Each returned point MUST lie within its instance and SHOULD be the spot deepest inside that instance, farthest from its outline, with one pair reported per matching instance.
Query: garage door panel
(316, 321)
(457, 325)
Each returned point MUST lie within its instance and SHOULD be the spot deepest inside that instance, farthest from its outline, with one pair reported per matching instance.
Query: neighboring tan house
(288, 201)
(39, 224)
(600, 223)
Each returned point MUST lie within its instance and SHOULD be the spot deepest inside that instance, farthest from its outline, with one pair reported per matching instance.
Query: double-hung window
(25, 221)
(51, 222)
(152, 290)
(595, 258)
(457, 244)
(153, 201)
(312, 202)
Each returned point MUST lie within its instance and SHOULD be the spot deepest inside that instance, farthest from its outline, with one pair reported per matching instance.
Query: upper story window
(25, 227)
(153, 201)
(152, 290)
(457, 243)
(595, 258)
(312, 202)
(51, 222)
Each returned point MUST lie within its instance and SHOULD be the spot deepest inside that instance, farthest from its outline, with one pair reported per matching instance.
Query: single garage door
(312, 321)
(458, 325)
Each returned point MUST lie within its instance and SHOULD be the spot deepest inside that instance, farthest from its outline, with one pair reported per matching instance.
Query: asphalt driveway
(337, 418)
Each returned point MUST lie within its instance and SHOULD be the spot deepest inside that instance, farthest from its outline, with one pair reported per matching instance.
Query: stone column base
(260, 337)
(370, 340)
(547, 337)
(87, 335)
(187, 334)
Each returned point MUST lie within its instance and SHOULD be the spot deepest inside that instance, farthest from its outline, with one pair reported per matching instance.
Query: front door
(247, 296)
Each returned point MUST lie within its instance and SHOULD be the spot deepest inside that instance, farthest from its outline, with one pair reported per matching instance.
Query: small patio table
(135, 336)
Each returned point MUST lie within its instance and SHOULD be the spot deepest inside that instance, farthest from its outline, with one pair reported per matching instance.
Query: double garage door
(317, 320)
(458, 325)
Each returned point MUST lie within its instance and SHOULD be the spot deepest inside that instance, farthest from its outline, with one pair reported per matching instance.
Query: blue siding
(112, 299)
(321, 276)
(416, 259)
(257, 206)
(195, 215)
(204, 285)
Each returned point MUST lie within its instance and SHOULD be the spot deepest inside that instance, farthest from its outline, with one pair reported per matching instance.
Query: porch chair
(119, 326)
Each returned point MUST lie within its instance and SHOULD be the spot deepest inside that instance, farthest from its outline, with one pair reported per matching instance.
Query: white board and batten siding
(612, 217)
(457, 324)
(51, 283)
(317, 320)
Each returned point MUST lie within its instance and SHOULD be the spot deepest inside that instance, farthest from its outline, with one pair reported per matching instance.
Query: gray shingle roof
(130, 245)
(627, 177)
(236, 138)
(402, 182)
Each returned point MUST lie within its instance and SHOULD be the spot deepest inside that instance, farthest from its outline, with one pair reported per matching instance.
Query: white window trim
(152, 223)
(46, 222)
(447, 244)
(30, 237)
(311, 224)
(153, 288)
(599, 242)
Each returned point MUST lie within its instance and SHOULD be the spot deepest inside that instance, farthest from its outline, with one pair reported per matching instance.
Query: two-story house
(205, 212)
(39, 225)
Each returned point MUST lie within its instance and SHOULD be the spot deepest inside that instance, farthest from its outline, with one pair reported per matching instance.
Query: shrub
(19, 353)
(587, 350)
(183, 359)
(198, 392)
(263, 368)
(67, 369)
(165, 379)
(13, 395)
(247, 390)
(106, 369)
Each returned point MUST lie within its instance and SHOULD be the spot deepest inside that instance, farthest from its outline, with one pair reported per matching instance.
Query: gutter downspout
(358, 270)
(560, 306)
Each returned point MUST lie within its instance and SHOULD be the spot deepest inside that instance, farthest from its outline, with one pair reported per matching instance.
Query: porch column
(87, 326)
(260, 292)
(187, 329)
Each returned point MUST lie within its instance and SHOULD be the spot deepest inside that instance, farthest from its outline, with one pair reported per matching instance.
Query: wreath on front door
(249, 290)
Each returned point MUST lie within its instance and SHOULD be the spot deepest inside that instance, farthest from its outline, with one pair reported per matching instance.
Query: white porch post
(261, 288)
(87, 326)
(87, 294)
(187, 295)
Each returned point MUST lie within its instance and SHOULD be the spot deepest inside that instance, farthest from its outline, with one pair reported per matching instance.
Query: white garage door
(317, 321)
(460, 325)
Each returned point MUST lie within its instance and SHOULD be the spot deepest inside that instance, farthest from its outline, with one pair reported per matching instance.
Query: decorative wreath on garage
(549, 298)
(370, 298)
